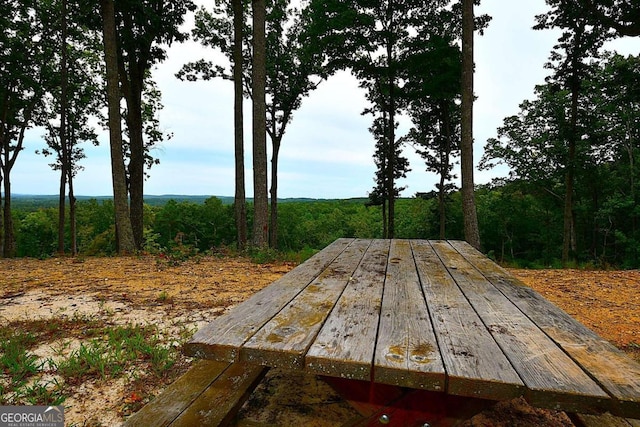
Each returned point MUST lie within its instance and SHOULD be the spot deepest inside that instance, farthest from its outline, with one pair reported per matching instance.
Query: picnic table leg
(381, 404)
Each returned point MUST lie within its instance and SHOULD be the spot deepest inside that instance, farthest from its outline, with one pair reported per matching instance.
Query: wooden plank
(608, 420)
(283, 341)
(346, 343)
(162, 410)
(552, 378)
(221, 338)
(219, 403)
(407, 352)
(617, 373)
(473, 361)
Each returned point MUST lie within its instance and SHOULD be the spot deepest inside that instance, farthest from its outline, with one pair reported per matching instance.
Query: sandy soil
(184, 297)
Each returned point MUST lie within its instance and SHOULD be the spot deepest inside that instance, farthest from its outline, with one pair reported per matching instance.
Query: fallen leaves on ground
(144, 281)
(606, 301)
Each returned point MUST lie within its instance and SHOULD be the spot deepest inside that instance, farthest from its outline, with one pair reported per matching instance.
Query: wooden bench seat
(209, 393)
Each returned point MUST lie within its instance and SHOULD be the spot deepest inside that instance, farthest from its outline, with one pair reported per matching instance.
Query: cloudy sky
(327, 150)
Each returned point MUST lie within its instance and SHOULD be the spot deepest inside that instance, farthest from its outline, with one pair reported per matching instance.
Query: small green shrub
(263, 255)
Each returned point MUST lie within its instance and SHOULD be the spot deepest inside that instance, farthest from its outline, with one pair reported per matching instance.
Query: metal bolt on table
(384, 419)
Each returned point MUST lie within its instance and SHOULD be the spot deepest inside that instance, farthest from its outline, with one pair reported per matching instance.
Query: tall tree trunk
(632, 186)
(238, 122)
(568, 235)
(441, 209)
(132, 81)
(62, 196)
(1, 221)
(4, 146)
(66, 158)
(9, 246)
(445, 153)
(259, 76)
(273, 227)
(391, 162)
(136, 162)
(471, 232)
(383, 174)
(568, 240)
(124, 232)
(72, 217)
(8, 160)
(73, 232)
(385, 222)
(384, 171)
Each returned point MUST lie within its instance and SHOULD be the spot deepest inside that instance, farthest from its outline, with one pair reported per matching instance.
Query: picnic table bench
(417, 332)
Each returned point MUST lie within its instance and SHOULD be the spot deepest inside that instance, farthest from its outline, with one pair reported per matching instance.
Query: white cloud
(327, 150)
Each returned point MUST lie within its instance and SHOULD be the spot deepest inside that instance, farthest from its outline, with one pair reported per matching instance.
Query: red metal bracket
(381, 404)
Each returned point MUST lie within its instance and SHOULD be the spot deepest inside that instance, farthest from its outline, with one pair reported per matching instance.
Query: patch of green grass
(16, 338)
(50, 393)
(15, 359)
(78, 326)
(165, 298)
(88, 361)
(143, 343)
(116, 352)
(105, 352)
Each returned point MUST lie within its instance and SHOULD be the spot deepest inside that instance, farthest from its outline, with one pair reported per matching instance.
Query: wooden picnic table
(417, 331)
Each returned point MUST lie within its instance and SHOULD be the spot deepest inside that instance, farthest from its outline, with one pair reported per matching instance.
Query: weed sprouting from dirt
(105, 352)
(15, 359)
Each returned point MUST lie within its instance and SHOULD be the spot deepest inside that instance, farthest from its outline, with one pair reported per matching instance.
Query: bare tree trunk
(391, 164)
(73, 232)
(136, 162)
(124, 232)
(632, 185)
(569, 236)
(471, 232)
(62, 208)
(72, 217)
(384, 172)
(240, 198)
(273, 228)
(66, 163)
(385, 222)
(391, 160)
(9, 247)
(568, 241)
(1, 222)
(441, 210)
(445, 154)
(259, 76)
(8, 160)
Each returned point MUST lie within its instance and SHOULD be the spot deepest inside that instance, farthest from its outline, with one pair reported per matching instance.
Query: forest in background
(571, 150)
(517, 229)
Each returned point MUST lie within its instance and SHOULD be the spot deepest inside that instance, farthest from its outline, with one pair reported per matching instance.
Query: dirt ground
(150, 289)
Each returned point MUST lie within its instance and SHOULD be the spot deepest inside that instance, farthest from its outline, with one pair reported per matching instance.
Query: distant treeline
(30, 202)
(517, 227)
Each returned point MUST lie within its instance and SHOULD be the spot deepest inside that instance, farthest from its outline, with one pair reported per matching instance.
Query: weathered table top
(431, 315)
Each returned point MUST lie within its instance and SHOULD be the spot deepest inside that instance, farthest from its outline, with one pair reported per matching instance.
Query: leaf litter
(178, 299)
